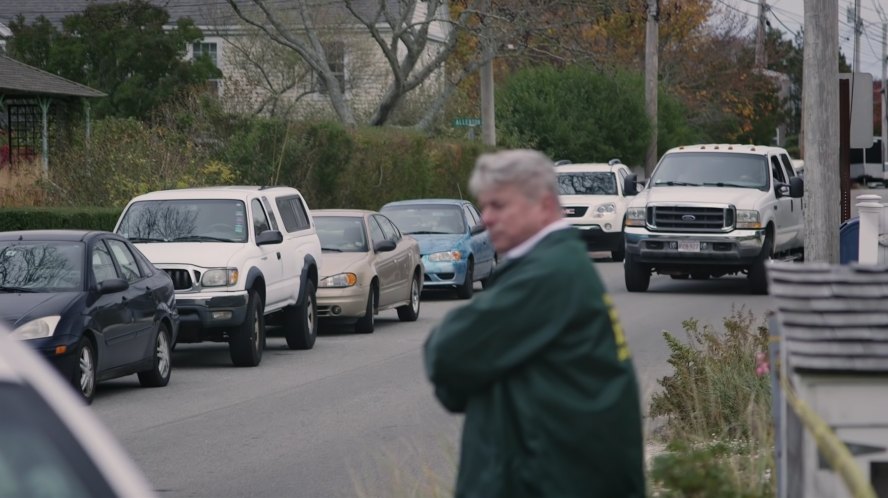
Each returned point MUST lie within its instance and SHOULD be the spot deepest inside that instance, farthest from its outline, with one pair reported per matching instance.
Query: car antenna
(459, 190)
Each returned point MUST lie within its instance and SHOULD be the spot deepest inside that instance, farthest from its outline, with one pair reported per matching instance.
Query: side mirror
(630, 185)
(796, 187)
(384, 246)
(479, 228)
(269, 237)
(112, 285)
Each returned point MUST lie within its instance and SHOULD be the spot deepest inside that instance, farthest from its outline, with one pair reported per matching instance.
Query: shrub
(58, 218)
(716, 411)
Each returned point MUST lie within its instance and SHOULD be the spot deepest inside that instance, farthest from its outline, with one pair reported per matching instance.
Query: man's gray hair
(529, 170)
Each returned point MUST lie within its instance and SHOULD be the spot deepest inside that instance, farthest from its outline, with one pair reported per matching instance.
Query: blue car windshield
(425, 219)
(192, 220)
(29, 266)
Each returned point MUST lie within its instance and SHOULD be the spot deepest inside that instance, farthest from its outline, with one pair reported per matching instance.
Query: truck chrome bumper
(736, 247)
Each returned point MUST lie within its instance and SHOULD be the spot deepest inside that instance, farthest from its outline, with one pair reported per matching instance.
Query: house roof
(832, 318)
(202, 12)
(17, 78)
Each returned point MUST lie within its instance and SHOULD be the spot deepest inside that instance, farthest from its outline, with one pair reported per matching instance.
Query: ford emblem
(688, 217)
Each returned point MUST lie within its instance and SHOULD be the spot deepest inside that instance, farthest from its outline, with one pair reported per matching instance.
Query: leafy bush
(58, 218)
(717, 412)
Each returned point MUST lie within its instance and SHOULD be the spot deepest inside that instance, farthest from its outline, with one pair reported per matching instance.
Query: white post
(869, 209)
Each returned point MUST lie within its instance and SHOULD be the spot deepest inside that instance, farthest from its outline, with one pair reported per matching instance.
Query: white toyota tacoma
(713, 210)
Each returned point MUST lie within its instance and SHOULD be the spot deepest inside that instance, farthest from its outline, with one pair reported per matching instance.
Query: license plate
(689, 246)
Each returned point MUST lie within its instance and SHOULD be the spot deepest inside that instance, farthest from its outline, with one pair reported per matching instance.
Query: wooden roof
(20, 79)
(832, 318)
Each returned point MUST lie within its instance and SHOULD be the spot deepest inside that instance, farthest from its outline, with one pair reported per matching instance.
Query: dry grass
(20, 185)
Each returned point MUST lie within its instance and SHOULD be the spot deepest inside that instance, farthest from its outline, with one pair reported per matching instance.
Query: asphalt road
(354, 417)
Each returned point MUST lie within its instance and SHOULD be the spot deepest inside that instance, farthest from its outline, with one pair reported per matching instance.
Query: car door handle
(279, 255)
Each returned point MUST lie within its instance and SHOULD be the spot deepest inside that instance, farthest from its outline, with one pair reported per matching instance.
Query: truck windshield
(598, 183)
(193, 220)
(712, 169)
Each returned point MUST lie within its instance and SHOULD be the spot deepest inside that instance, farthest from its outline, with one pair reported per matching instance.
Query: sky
(788, 15)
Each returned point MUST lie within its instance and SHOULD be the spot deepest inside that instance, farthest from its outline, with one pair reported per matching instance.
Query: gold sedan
(367, 266)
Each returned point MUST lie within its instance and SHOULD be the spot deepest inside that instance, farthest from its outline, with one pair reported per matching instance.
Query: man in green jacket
(538, 363)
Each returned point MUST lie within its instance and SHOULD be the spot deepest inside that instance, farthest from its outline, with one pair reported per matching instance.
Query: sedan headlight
(219, 277)
(36, 329)
(747, 218)
(339, 280)
(635, 217)
(446, 256)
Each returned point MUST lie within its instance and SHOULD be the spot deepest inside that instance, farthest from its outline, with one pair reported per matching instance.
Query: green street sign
(466, 122)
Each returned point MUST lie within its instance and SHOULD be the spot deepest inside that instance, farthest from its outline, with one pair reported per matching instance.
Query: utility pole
(884, 107)
(857, 31)
(761, 60)
(488, 114)
(820, 77)
(651, 78)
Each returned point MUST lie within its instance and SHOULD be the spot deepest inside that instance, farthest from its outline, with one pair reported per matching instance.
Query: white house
(261, 76)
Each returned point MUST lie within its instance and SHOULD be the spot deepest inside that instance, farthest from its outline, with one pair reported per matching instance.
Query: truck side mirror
(796, 187)
(630, 185)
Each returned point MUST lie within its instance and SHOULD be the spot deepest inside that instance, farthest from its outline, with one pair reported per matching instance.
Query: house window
(208, 49)
(336, 60)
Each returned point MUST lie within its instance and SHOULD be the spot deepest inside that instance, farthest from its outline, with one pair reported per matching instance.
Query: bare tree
(415, 39)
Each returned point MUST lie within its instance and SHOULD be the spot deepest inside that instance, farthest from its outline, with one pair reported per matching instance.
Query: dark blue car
(454, 243)
(90, 303)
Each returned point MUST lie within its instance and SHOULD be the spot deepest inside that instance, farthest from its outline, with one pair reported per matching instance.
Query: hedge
(58, 218)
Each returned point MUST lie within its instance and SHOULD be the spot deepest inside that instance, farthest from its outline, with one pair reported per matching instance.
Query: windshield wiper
(333, 249)
(11, 289)
(140, 240)
(427, 232)
(677, 184)
(728, 184)
(200, 238)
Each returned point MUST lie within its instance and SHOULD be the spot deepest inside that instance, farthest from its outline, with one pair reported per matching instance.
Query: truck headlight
(445, 256)
(605, 209)
(219, 277)
(635, 217)
(339, 280)
(36, 329)
(747, 218)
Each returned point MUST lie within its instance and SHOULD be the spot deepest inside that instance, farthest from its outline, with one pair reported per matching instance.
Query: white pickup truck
(714, 210)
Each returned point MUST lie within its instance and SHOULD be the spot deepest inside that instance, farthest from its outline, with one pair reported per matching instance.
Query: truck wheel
(637, 275)
(301, 321)
(367, 323)
(246, 344)
(758, 274)
(618, 254)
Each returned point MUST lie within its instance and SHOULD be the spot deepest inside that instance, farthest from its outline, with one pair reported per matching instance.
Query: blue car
(454, 243)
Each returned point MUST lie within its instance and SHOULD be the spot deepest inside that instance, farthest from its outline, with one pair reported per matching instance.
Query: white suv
(593, 200)
(235, 254)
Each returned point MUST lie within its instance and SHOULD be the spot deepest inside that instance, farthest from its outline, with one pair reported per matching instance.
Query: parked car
(594, 202)
(50, 444)
(90, 303)
(367, 267)
(454, 243)
(236, 255)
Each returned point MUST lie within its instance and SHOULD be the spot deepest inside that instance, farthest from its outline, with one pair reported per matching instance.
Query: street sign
(466, 122)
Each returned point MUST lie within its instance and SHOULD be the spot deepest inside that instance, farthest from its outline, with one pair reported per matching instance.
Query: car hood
(338, 262)
(430, 243)
(588, 200)
(203, 254)
(742, 198)
(18, 309)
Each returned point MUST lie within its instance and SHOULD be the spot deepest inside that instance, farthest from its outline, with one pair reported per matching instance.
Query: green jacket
(539, 364)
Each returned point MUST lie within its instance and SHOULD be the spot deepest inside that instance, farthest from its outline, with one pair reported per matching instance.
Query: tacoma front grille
(690, 218)
(181, 279)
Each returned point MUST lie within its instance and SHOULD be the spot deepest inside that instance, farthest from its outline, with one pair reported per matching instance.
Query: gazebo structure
(26, 95)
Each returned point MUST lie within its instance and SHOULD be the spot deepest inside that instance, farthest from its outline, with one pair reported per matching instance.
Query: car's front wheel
(467, 288)
(162, 366)
(301, 322)
(248, 341)
(367, 323)
(84, 378)
(410, 312)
